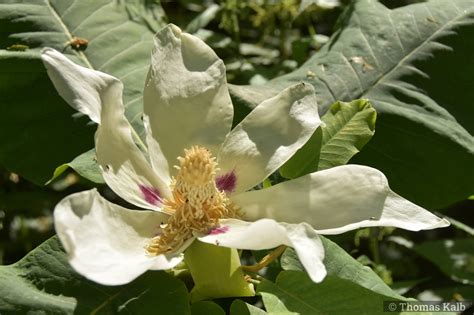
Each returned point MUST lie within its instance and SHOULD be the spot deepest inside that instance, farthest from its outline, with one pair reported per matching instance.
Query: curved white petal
(80, 87)
(124, 167)
(397, 212)
(186, 97)
(266, 234)
(269, 136)
(337, 200)
(99, 95)
(105, 242)
(159, 163)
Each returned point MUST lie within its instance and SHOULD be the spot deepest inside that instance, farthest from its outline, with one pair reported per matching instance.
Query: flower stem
(374, 245)
(266, 260)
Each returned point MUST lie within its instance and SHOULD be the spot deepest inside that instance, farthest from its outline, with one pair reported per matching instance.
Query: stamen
(197, 204)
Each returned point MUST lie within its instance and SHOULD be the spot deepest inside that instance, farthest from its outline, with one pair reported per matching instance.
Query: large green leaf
(84, 165)
(446, 293)
(347, 128)
(206, 308)
(415, 66)
(239, 307)
(37, 129)
(460, 225)
(341, 265)
(455, 257)
(44, 283)
(295, 291)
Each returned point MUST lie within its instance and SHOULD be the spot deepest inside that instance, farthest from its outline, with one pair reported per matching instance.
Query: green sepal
(216, 272)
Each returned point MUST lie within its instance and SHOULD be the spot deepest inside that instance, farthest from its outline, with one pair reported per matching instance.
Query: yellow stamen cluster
(196, 205)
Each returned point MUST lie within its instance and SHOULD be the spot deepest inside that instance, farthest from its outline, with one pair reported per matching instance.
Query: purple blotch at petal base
(219, 230)
(151, 194)
(227, 182)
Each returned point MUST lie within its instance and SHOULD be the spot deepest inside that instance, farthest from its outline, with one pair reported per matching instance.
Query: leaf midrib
(66, 30)
(339, 130)
(83, 56)
(54, 299)
(293, 295)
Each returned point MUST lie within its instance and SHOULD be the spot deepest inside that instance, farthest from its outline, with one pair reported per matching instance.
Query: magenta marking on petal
(227, 182)
(151, 195)
(219, 230)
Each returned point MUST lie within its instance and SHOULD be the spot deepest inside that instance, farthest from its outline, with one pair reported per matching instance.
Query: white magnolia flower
(188, 115)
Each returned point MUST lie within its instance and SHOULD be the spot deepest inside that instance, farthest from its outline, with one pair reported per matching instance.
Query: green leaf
(85, 165)
(306, 159)
(459, 225)
(274, 305)
(415, 65)
(402, 287)
(325, 4)
(348, 127)
(206, 308)
(450, 292)
(37, 129)
(43, 282)
(239, 307)
(203, 19)
(455, 258)
(341, 265)
(295, 291)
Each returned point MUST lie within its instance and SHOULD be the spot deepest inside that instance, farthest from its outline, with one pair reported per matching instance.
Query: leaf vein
(351, 66)
(91, 16)
(66, 30)
(108, 31)
(121, 53)
(410, 54)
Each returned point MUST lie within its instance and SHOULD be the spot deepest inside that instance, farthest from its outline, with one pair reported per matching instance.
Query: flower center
(196, 205)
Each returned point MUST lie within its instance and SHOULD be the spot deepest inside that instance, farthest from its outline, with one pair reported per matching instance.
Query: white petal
(158, 161)
(266, 234)
(186, 96)
(309, 248)
(397, 212)
(337, 200)
(99, 95)
(124, 167)
(105, 242)
(269, 136)
(80, 87)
